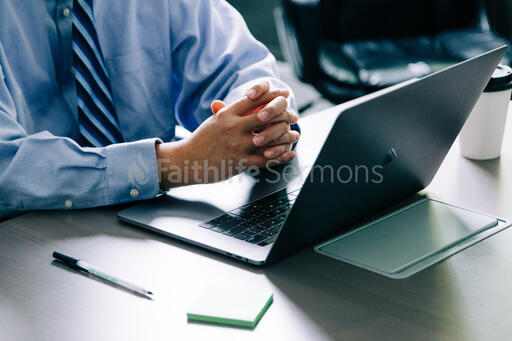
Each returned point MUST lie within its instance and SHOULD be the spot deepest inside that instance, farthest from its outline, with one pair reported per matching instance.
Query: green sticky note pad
(242, 307)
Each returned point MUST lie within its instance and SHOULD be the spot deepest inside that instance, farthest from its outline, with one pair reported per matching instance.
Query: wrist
(170, 158)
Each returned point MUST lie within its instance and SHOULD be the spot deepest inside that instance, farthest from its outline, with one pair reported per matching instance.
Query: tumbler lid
(501, 79)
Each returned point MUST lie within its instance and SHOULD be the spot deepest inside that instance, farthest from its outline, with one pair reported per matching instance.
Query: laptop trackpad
(410, 239)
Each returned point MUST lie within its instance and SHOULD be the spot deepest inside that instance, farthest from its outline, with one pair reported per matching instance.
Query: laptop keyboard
(258, 222)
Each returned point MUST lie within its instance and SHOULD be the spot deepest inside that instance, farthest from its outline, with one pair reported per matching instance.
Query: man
(91, 92)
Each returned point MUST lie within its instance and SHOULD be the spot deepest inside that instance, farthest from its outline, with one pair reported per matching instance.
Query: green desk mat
(412, 238)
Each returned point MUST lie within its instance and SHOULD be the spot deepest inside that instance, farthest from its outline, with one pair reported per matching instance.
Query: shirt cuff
(132, 171)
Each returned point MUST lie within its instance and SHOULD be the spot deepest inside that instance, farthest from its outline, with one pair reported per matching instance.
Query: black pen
(83, 266)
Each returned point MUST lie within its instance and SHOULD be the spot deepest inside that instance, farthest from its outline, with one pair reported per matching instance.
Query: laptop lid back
(384, 148)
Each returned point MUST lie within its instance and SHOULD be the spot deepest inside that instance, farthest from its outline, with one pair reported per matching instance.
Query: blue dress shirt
(166, 60)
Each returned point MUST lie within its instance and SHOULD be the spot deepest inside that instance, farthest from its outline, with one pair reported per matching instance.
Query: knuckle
(279, 161)
(271, 109)
(281, 101)
(284, 126)
(281, 105)
(279, 141)
(290, 138)
(286, 157)
(278, 150)
(283, 139)
(278, 93)
(230, 125)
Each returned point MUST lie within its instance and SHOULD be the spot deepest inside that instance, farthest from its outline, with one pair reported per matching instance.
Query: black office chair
(348, 48)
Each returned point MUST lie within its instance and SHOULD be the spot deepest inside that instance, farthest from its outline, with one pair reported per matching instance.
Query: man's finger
(255, 110)
(275, 108)
(216, 106)
(289, 138)
(258, 89)
(270, 134)
(276, 151)
(245, 105)
(256, 160)
(286, 116)
(284, 158)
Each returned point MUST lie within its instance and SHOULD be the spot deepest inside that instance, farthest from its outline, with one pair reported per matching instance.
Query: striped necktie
(96, 115)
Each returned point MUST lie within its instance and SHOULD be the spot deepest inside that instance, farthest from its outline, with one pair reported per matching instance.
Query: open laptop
(352, 161)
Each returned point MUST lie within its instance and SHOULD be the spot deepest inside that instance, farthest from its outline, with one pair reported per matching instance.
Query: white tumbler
(482, 135)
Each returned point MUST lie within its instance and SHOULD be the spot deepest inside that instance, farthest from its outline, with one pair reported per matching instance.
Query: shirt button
(134, 193)
(68, 204)
(66, 12)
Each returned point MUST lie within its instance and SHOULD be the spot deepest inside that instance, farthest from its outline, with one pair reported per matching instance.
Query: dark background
(260, 19)
(259, 16)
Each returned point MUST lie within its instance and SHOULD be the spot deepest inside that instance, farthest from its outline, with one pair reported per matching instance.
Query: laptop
(353, 160)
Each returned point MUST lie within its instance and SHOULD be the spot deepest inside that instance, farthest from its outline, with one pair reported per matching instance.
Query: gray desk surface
(467, 297)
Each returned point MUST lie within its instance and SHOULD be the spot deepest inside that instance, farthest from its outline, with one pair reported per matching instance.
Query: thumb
(216, 106)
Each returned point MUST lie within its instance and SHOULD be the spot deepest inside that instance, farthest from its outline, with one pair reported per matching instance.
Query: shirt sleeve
(214, 56)
(43, 171)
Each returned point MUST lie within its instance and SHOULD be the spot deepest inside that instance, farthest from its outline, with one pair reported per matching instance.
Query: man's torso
(36, 58)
